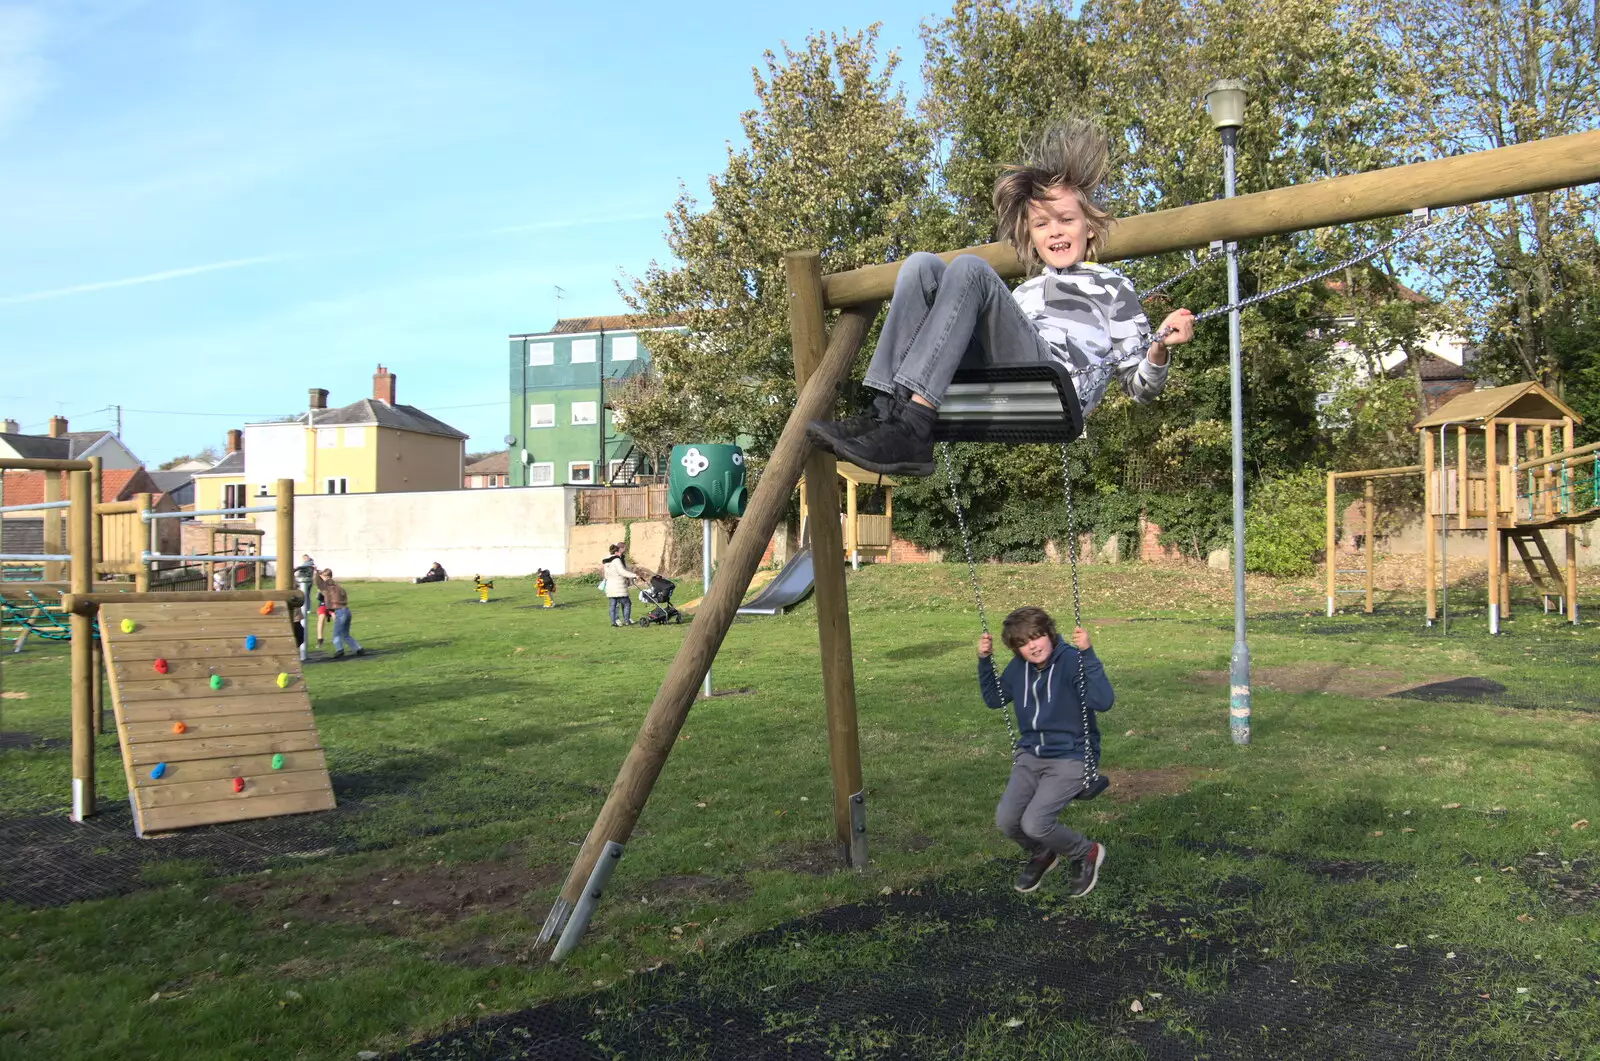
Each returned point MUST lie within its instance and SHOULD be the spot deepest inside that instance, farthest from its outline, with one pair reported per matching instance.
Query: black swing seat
(1100, 783)
(1010, 403)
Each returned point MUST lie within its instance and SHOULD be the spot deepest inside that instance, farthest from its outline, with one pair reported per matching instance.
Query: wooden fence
(613, 504)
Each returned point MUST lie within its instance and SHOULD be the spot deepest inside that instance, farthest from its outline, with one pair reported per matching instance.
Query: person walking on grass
(337, 602)
(1041, 682)
(617, 577)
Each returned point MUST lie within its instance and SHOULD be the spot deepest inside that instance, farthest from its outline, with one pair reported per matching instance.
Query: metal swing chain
(977, 591)
(1091, 761)
(1175, 277)
(1424, 220)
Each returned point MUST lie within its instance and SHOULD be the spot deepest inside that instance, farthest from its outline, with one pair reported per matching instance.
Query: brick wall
(904, 552)
(1151, 551)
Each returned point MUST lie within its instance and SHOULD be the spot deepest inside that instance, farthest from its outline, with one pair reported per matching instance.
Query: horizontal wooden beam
(1540, 166)
(89, 603)
(1557, 458)
(41, 464)
(1378, 473)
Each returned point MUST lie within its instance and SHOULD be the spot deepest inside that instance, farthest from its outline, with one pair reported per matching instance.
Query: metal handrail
(147, 515)
(36, 507)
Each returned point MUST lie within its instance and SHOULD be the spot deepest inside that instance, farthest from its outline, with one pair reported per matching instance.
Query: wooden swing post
(808, 332)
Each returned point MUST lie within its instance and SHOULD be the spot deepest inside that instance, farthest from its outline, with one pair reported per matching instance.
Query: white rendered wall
(397, 536)
(273, 452)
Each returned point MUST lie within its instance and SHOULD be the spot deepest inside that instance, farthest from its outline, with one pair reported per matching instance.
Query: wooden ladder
(1556, 584)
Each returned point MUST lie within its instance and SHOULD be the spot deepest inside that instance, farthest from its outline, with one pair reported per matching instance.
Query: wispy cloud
(147, 278)
(25, 74)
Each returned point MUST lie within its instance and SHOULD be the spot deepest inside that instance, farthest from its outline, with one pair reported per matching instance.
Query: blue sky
(208, 207)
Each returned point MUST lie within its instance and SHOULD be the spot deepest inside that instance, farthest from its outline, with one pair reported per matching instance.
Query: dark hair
(1025, 624)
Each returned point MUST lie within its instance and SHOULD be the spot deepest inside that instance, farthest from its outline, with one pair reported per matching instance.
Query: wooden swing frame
(823, 359)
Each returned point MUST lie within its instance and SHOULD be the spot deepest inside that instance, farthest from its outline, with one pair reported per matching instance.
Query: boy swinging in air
(944, 317)
(1041, 683)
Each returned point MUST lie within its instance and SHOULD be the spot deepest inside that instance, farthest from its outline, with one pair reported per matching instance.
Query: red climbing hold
(161, 666)
(180, 727)
(266, 609)
(238, 784)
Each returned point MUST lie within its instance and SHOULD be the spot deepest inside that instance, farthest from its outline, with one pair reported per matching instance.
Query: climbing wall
(212, 713)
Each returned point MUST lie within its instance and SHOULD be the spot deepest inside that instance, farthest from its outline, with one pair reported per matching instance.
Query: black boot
(824, 434)
(900, 445)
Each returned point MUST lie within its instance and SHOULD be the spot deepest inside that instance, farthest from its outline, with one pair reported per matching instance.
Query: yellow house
(375, 445)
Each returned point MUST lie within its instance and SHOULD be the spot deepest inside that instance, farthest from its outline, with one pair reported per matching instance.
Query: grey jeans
(944, 317)
(1036, 792)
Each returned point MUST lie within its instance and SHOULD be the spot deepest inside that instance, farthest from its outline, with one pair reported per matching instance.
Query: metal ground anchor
(858, 830)
(609, 856)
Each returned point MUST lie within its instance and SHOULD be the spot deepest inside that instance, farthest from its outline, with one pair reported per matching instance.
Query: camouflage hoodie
(1092, 318)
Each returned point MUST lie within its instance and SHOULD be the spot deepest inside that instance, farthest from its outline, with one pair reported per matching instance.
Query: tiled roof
(167, 482)
(82, 440)
(493, 464)
(232, 464)
(372, 411)
(39, 447)
(1431, 367)
(116, 484)
(617, 322)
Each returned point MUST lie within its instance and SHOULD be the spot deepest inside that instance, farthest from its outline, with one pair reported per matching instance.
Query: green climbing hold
(216, 681)
(128, 626)
(277, 761)
(283, 681)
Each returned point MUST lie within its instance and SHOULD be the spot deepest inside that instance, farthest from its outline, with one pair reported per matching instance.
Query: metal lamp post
(1225, 104)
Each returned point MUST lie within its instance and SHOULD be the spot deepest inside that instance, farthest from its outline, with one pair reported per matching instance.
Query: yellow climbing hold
(128, 626)
(283, 681)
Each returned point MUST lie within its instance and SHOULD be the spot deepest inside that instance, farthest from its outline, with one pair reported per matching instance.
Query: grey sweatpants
(1036, 792)
(943, 317)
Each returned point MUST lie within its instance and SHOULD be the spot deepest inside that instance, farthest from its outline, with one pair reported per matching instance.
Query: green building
(561, 382)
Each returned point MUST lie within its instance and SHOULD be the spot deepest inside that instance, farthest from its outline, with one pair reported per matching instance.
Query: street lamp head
(1225, 103)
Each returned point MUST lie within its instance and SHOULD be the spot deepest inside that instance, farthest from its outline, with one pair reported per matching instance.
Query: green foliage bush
(1284, 524)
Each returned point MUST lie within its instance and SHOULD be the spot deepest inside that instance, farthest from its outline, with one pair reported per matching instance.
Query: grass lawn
(1369, 877)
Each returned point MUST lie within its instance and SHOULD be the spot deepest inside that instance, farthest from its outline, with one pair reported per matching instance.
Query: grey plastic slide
(785, 591)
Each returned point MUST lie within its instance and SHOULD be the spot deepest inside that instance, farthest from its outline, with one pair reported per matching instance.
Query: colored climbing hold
(128, 626)
(180, 727)
(250, 643)
(157, 770)
(238, 784)
(216, 681)
(266, 609)
(283, 681)
(160, 665)
(277, 761)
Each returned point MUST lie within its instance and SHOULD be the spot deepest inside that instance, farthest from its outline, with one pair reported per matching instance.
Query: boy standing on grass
(1047, 763)
(338, 602)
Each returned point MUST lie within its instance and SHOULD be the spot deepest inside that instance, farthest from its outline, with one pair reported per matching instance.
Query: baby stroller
(659, 593)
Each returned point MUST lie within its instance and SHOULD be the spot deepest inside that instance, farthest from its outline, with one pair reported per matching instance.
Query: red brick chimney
(235, 441)
(383, 386)
(58, 427)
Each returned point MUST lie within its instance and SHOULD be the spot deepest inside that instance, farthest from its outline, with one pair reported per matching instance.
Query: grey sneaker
(1086, 874)
(1033, 873)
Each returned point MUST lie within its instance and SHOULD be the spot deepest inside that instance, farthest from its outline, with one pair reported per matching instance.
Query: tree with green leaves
(832, 161)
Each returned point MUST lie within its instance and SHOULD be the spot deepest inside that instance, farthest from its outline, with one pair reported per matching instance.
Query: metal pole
(705, 586)
(1239, 662)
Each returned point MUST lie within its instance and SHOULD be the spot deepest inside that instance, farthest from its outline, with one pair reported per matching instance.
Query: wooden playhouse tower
(1502, 460)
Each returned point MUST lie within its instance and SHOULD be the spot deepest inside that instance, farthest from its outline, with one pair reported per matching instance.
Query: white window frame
(342, 482)
(549, 469)
(624, 348)
(615, 465)
(592, 409)
(355, 437)
(549, 409)
(583, 351)
(541, 354)
(572, 472)
(327, 438)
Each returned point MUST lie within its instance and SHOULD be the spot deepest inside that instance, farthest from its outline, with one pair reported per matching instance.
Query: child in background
(944, 317)
(1041, 681)
(337, 602)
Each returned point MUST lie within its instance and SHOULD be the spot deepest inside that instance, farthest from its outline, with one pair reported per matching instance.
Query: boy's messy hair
(1068, 154)
(1025, 624)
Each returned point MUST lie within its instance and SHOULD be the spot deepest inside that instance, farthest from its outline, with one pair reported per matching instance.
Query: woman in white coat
(617, 576)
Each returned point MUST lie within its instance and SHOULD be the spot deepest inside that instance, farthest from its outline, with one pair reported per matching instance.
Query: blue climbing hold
(250, 643)
(157, 771)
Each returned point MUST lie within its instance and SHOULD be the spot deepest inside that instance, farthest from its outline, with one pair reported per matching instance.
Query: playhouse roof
(1519, 401)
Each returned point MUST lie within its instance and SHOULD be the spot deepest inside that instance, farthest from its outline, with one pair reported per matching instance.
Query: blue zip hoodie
(1049, 717)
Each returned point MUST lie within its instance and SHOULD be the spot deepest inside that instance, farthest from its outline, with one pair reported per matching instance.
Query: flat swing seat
(1012, 404)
